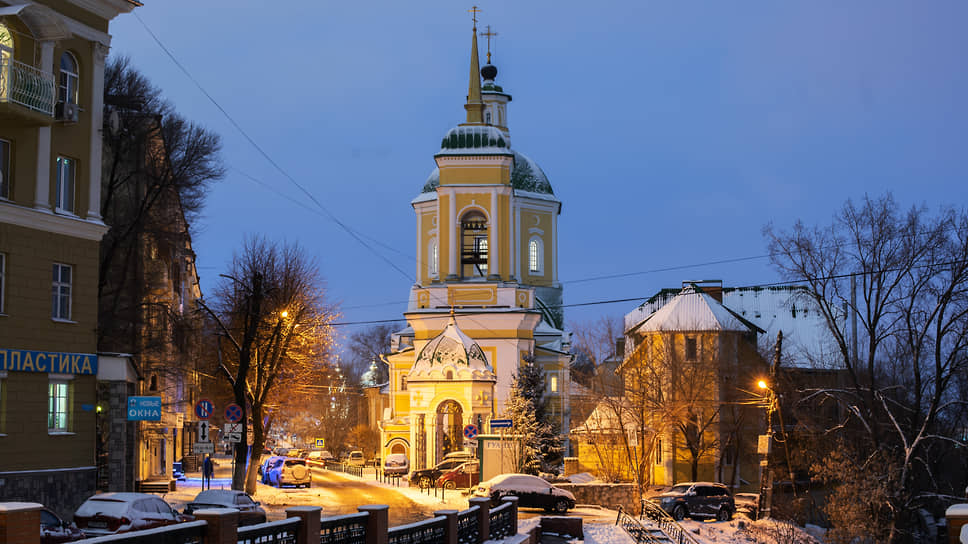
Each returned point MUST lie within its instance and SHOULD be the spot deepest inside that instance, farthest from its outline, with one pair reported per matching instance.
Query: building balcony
(27, 94)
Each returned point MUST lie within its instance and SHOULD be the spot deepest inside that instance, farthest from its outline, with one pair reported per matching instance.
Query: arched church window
(68, 79)
(473, 260)
(487, 118)
(535, 256)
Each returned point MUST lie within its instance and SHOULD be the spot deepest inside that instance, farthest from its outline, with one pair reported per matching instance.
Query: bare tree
(271, 312)
(900, 279)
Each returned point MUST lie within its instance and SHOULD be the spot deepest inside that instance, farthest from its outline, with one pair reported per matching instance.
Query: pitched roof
(693, 310)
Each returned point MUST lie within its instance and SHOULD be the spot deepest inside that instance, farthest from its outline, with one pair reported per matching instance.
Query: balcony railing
(25, 85)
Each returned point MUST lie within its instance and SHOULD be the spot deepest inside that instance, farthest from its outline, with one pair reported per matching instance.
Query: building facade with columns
(487, 295)
(52, 57)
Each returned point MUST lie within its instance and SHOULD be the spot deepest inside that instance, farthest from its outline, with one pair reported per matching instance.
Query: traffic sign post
(500, 424)
(233, 412)
(203, 435)
(470, 432)
(204, 409)
(233, 432)
(320, 443)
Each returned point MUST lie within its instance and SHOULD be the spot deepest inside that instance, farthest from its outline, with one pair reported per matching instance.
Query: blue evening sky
(672, 132)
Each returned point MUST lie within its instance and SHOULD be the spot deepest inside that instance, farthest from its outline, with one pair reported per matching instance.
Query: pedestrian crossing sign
(320, 443)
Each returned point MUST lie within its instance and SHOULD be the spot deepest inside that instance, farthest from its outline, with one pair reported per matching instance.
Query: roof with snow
(526, 175)
(451, 350)
(693, 310)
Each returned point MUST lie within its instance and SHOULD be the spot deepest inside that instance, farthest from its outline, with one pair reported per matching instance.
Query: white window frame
(61, 289)
(64, 194)
(433, 260)
(5, 150)
(59, 404)
(536, 256)
(68, 83)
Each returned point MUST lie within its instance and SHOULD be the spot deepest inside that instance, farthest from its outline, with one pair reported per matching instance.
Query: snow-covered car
(280, 471)
(54, 530)
(426, 477)
(697, 500)
(396, 463)
(464, 476)
(531, 491)
(110, 513)
(250, 511)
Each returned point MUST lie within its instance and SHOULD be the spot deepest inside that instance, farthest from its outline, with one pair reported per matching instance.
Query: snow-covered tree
(538, 442)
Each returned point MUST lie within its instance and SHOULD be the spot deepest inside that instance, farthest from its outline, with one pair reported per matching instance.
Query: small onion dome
(489, 71)
(371, 378)
(451, 353)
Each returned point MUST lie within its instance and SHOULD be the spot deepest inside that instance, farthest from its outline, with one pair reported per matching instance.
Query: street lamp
(766, 475)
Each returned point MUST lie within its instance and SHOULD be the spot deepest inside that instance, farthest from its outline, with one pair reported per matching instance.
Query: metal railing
(500, 521)
(348, 529)
(272, 532)
(468, 531)
(191, 532)
(665, 522)
(25, 85)
(430, 531)
(346, 468)
(634, 528)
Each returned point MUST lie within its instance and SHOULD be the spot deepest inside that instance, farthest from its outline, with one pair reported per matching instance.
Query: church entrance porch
(449, 429)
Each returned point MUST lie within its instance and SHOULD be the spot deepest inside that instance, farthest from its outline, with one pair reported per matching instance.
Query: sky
(672, 132)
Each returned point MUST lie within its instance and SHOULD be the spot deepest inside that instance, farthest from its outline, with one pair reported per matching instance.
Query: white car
(396, 463)
(531, 491)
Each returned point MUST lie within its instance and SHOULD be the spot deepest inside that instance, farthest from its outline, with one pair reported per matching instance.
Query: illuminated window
(4, 169)
(58, 405)
(68, 79)
(554, 384)
(64, 196)
(535, 256)
(61, 292)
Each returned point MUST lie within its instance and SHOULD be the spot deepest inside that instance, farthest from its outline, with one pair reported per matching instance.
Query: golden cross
(474, 11)
(488, 35)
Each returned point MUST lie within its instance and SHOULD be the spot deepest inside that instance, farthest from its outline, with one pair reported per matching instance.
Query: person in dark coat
(208, 470)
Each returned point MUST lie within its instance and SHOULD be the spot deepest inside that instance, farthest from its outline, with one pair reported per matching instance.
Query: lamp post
(765, 506)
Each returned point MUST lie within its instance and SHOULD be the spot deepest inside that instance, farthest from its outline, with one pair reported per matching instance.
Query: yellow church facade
(487, 295)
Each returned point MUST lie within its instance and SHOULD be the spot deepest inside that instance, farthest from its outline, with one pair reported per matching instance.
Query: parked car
(250, 511)
(280, 471)
(697, 500)
(396, 463)
(531, 491)
(54, 530)
(110, 513)
(320, 456)
(465, 476)
(356, 458)
(426, 477)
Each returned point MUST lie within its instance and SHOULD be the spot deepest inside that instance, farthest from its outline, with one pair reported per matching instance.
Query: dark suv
(697, 500)
(426, 477)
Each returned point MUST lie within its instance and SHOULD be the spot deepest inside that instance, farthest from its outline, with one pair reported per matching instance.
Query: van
(356, 458)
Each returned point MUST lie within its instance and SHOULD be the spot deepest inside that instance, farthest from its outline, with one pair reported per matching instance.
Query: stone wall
(61, 490)
(606, 495)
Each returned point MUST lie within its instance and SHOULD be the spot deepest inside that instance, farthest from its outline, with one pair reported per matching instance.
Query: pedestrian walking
(208, 470)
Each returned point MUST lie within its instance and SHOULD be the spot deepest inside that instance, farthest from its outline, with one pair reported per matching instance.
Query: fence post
(222, 525)
(309, 528)
(514, 513)
(20, 522)
(377, 523)
(483, 516)
(450, 530)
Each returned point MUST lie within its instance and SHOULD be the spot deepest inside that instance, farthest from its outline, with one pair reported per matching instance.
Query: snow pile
(581, 478)
(742, 531)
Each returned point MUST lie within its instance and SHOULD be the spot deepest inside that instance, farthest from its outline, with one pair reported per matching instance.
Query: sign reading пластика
(54, 362)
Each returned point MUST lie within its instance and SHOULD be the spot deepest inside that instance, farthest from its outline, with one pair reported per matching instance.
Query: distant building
(487, 294)
(51, 85)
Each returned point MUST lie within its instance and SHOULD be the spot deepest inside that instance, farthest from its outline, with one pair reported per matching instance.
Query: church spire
(474, 105)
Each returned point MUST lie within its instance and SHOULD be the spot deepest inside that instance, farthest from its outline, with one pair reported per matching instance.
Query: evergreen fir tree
(539, 441)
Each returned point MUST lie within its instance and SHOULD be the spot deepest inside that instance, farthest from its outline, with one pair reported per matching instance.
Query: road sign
(500, 424)
(144, 408)
(203, 431)
(204, 409)
(203, 447)
(470, 432)
(320, 443)
(233, 432)
(233, 412)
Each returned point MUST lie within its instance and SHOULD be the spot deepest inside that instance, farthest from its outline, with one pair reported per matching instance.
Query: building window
(692, 351)
(64, 196)
(449, 375)
(3, 278)
(487, 118)
(658, 451)
(61, 292)
(58, 405)
(68, 79)
(553, 384)
(535, 256)
(473, 245)
(403, 383)
(432, 258)
(4, 169)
